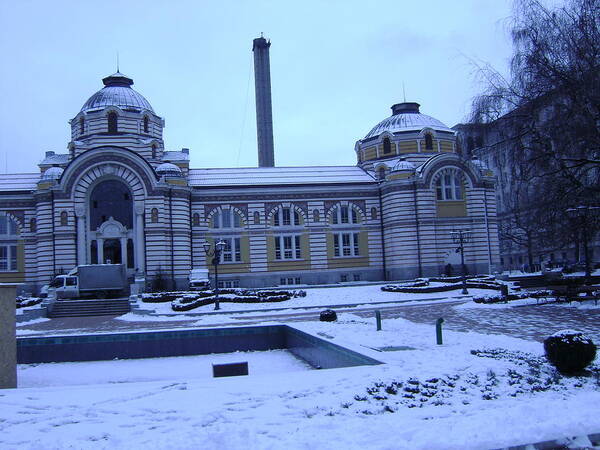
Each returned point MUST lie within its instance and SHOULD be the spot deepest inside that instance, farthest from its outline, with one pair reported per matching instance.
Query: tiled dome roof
(117, 91)
(406, 117)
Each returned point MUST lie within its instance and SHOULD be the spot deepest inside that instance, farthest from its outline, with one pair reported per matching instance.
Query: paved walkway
(527, 322)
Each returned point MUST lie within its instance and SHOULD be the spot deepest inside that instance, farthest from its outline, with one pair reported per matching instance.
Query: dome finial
(118, 62)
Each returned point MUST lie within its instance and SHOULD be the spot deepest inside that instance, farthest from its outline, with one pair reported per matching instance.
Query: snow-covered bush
(569, 351)
(189, 301)
(329, 315)
(24, 301)
(422, 288)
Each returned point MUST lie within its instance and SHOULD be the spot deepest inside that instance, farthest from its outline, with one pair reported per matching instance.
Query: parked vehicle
(199, 279)
(97, 281)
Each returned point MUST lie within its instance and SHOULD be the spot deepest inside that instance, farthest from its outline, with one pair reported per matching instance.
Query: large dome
(117, 91)
(406, 117)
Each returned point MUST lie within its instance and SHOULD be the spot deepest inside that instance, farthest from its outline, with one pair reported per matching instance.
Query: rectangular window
(236, 220)
(346, 244)
(3, 225)
(354, 216)
(216, 222)
(357, 277)
(8, 258)
(344, 278)
(296, 218)
(288, 247)
(4, 261)
(277, 248)
(232, 251)
(346, 249)
(336, 245)
(297, 246)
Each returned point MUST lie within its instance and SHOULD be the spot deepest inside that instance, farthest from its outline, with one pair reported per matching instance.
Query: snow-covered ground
(425, 396)
(179, 368)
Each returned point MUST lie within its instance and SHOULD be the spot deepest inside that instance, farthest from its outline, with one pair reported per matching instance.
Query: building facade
(118, 196)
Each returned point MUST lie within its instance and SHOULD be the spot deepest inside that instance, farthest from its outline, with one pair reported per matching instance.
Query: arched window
(387, 146)
(113, 126)
(196, 219)
(256, 218)
(286, 216)
(64, 218)
(449, 185)
(381, 173)
(32, 226)
(344, 214)
(154, 215)
(81, 125)
(316, 216)
(373, 213)
(226, 218)
(428, 141)
(145, 124)
(153, 151)
(110, 198)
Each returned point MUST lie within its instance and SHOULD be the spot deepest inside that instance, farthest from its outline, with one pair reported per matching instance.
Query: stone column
(100, 250)
(81, 243)
(138, 243)
(8, 340)
(124, 251)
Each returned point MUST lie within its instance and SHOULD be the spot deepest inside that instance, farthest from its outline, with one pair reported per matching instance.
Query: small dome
(406, 117)
(480, 164)
(169, 170)
(117, 91)
(52, 174)
(404, 165)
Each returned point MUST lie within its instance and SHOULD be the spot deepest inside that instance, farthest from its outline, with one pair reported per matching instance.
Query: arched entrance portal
(111, 234)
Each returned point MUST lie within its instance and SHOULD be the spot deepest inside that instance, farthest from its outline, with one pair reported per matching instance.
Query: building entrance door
(112, 251)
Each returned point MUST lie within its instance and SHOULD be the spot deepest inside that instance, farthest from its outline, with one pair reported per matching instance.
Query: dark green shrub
(569, 351)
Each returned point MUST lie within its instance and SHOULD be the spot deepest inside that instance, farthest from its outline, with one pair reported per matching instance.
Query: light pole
(215, 253)
(461, 237)
(583, 213)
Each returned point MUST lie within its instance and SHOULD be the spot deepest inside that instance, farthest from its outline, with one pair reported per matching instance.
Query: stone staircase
(82, 308)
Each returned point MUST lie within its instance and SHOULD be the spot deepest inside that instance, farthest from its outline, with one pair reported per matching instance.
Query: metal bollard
(438, 330)
(378, 319)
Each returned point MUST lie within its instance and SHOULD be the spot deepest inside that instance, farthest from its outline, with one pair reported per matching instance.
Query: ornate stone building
(119, 196)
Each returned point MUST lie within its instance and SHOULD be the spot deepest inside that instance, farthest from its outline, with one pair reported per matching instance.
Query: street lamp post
(583, 214)
(215, 253)
(461, 237)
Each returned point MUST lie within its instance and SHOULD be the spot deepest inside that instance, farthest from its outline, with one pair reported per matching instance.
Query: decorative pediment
(111, 229)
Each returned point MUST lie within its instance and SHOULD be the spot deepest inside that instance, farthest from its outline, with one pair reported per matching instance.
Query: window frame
(449, 186)
(288, 247)
(346, 244)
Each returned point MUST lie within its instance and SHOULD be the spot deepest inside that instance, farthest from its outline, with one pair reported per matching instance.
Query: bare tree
(550, 103)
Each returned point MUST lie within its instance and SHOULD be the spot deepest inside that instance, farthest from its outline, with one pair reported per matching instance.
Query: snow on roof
(175, 156)
(61, 158)
(261, 176)
(407, 122)
(19, 181)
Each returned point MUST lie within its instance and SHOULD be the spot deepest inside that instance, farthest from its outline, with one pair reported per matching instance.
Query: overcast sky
(336, 68)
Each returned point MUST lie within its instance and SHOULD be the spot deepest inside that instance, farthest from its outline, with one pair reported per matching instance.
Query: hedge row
(444, 288)
(188, 302)
(489, 299)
